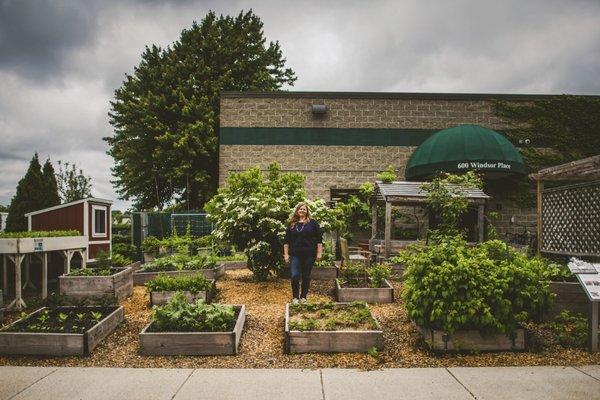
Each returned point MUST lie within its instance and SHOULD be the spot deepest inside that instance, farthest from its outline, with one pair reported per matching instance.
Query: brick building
(357, 136)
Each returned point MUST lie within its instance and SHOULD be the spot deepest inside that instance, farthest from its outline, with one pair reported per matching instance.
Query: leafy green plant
(180, 316)
(488, 287)
(353, 273)
(571, 330)
(446, 197)
(96, 315)
(327, 258)
(194, 284)
(179, 262)
(151, 245)
(329, 316)
(38, 234)
(378, 273)
(387, 176)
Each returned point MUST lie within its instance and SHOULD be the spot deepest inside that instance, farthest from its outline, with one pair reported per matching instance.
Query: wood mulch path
(262, 344)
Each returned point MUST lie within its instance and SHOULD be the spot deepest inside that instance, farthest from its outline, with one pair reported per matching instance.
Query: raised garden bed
(324, 328)
(232, 265)
(163, 288)
(141, 277)
(160, 341)
(62, 331)
(349, 293)
(472, 340)
(570, 296)
(118, 285)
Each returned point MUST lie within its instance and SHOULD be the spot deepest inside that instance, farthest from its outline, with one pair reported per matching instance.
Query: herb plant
(178, 315)
(194, 284)
(38, 234)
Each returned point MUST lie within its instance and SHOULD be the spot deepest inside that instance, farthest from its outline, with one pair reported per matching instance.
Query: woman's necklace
(299, 230)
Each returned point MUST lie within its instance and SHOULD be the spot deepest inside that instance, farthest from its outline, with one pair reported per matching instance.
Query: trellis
(571, 220)
(569, 216)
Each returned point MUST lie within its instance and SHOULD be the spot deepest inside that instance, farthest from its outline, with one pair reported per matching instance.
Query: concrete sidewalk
(512, 383)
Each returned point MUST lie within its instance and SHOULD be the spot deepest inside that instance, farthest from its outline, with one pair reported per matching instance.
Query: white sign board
(38, 245)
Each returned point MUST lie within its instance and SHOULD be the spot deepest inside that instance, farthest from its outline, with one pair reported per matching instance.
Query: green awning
(464, 148)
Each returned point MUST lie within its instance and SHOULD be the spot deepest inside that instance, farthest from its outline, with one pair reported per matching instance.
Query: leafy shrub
(571, 330)
(327, 258)
(151, 245)
(126, 250)
(180, 316)
(489, 287)
(194, 284)
(353, 273)
(387, 176)
(179, 262)
(117, 238)
(378, 273)
(120, 261)
(38, 234)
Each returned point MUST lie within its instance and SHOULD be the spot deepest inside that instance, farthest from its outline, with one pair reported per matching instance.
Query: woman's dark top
(302, 239)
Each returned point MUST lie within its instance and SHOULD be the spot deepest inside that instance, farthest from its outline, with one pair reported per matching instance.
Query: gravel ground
(262, 341)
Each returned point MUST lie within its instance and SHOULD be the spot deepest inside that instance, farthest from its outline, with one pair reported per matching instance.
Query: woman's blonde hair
(295, 218)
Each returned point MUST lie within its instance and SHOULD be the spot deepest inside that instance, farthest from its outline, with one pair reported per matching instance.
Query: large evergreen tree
(166, 115)
(50, 187)
(28, 197)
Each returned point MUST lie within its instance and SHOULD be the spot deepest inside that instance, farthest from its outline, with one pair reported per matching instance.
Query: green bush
(327, 258)
(120, 261)
(126, 250)
(378, 273)
(178, 315)
(489, 287)
(124, 239)
(38, 234)
(194, 284)
(571, 330)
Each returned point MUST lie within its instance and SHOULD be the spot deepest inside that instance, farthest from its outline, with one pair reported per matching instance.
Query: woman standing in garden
(303, 245)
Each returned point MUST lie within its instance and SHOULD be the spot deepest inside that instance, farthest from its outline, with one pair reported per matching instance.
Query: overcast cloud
(60, 61)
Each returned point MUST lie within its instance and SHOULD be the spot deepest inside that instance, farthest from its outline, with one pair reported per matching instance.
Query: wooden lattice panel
(571, 220)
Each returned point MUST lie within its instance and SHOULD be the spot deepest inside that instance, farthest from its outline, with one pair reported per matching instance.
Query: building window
(98, 221)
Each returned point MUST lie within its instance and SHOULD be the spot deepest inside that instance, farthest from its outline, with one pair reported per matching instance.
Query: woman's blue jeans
(301, 267)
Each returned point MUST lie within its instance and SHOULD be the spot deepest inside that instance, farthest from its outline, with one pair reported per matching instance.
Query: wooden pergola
(402, 193)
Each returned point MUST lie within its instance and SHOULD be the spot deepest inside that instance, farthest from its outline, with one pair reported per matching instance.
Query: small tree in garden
(72, 183)
(446, 197)
(251, 213)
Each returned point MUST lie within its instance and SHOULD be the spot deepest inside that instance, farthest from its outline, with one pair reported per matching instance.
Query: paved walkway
(512, 383)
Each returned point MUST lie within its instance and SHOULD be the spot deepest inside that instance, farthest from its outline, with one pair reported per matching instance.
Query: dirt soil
(262, 342)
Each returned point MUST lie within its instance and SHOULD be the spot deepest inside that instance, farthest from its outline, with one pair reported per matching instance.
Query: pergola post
(44, 275)
(18, 302)
(540, 188)
(480, 222)
(374, 220)
(388, 229)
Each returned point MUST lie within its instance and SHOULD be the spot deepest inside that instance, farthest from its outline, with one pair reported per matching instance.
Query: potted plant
(331, 327)
(107, 277)
(60, 331)
(360, 283)
(183, 328)
(179, 264)
(163, 288)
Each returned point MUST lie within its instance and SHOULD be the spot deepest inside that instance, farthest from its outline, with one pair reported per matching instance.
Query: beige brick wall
(357, 113)
(345, 167)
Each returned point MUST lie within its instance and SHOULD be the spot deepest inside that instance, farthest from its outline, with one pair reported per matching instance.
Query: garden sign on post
(588, 276)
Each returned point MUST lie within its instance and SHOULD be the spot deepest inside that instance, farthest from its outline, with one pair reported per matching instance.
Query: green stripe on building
(325, 136)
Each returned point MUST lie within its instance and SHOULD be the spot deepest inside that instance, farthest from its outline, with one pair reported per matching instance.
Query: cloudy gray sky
(60, 61)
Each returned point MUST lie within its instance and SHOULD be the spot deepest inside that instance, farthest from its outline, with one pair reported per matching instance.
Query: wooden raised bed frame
(472, 340)
(59, 344)
(193, 343)
(140, 278)
(119, 285)
(317, 273)
(331, 341)
(162, 297)
(367, 294)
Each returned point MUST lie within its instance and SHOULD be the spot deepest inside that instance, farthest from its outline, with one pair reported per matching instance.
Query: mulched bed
(262, 344)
